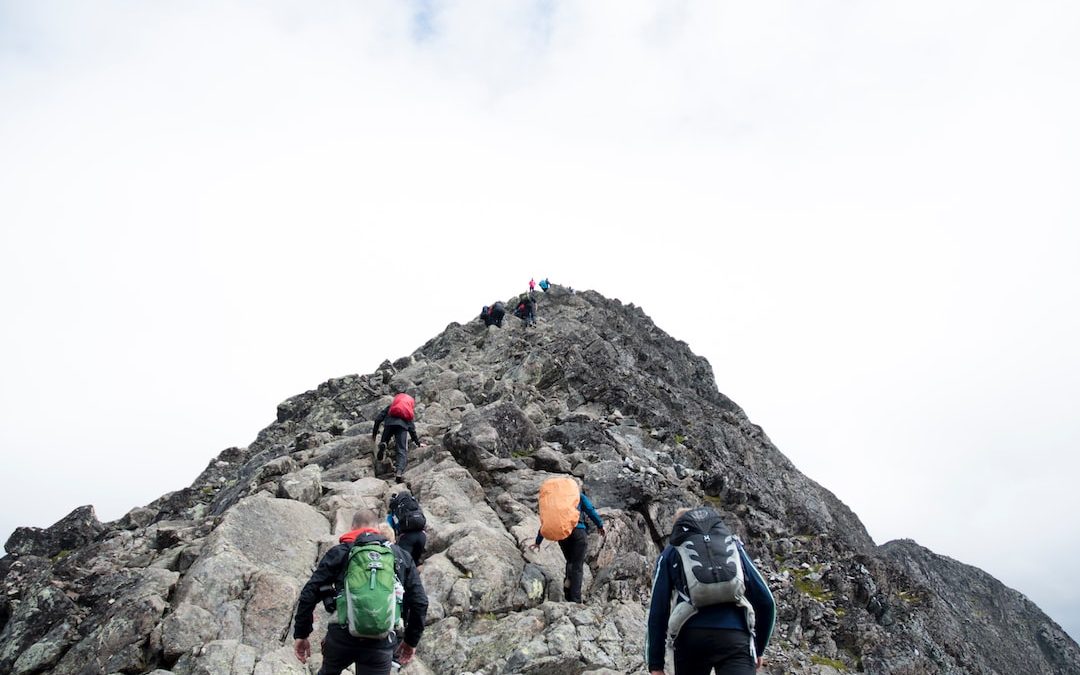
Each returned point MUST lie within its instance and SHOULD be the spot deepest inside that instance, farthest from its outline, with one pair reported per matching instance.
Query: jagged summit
(205, 579)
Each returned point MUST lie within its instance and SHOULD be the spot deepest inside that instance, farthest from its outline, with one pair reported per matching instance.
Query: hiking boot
(382, 452)
(399, 477)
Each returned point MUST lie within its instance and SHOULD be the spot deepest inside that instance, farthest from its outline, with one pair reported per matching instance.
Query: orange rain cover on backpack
(402, 407)
(559, 515)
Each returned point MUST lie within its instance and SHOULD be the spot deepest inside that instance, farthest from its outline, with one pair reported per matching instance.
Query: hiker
(493, 315)
(532, 285)
(526, 310)
(349, 638)
(497, 312)
(408, 521)
(397, 420)
(563, 508)
(544, 285)
(723, 614)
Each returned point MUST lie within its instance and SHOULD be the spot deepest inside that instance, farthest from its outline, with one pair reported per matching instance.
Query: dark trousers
(573, 549)
(341, 650)
(401, 441)
(414, 543)
(698, 651)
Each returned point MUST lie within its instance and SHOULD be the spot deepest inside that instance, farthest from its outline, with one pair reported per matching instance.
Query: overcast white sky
(865, 215)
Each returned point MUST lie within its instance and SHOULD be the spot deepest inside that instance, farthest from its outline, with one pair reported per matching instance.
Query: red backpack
(402, 407)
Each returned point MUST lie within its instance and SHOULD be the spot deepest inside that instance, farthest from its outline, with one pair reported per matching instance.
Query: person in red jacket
(397, 422)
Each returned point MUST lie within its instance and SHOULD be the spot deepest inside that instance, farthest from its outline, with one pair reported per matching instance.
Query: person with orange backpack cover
(563, 507)
(397, 422)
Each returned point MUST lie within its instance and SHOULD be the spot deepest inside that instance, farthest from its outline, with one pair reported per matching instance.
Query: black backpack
(407, 512)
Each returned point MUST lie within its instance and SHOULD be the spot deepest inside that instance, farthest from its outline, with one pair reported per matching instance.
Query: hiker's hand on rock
(406, 654)
(760, 662)
(656, 672)
(603, 533)
(302, 649)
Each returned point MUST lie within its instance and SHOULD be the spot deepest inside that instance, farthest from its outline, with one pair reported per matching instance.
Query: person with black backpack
(374, 593)
(398, 418)
(708, 601)
(408, 521)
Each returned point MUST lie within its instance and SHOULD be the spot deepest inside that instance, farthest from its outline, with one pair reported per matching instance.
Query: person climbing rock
(563, 508)
(397, 422)
(407, 518)
(493, 315)
(526, 309)
(349, 639)
(545, 285)
(720, 617)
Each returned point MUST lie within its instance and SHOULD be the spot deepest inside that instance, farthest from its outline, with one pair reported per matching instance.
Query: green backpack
(371, 597)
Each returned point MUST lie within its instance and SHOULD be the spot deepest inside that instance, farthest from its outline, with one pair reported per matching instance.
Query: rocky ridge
(205, 579)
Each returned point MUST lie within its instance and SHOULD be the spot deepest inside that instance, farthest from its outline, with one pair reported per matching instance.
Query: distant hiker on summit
(563, 508)
(397, 419)
(545, 285)
(532, 285)
(719, 616)
(373, 591)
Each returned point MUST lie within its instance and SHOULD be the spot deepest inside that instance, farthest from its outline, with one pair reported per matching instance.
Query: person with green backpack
(369, 585)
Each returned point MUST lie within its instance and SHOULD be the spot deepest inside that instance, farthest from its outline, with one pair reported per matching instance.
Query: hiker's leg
(574, 551)
(337, 654)
(415, 543)
(699, 650)
(374, 661)
(402, 439)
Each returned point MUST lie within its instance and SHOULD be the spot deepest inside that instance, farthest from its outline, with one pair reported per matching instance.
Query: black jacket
(391, 421)
(331, 570)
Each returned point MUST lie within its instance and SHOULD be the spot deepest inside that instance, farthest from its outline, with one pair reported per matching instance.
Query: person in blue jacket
(574, 548)
(728, 637)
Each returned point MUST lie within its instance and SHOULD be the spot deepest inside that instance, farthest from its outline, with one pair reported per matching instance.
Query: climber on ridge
(407, 518)
(493, 315)
(397, 420)
(526, 309)
(545, 285)
(563, 507)
(361, 572)
(723, 614)
(532, 285)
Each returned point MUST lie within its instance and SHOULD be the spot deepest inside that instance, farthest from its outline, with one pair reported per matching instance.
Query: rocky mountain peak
(205, 579)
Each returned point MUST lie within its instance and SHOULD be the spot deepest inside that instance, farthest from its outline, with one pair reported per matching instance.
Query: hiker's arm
(590, 510)
(659, 610)
(757, 592)
(412, 432)
(539, 540)
(378, 422)
(327, 572)
(417, 602)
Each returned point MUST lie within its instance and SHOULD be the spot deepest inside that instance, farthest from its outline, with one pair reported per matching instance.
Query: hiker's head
(387, 531)
(365, 518)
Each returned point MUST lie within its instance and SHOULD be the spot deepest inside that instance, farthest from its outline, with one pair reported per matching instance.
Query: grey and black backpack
(711, 564)
(407, 511)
